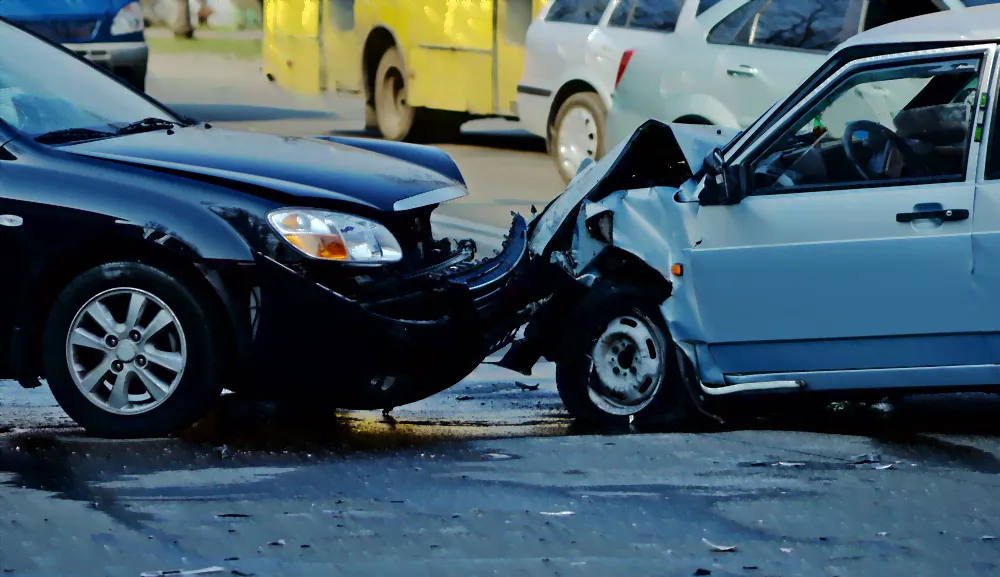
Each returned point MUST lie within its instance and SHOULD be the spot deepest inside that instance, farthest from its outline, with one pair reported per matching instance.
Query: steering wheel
(879, 139)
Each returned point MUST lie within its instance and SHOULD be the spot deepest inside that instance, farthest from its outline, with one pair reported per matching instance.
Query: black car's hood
(303, 167)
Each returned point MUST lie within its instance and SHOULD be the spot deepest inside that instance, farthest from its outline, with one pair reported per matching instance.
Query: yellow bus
(423, 67)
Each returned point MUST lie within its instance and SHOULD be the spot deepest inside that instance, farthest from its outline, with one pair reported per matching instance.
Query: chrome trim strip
(743, 387)
(435, 196)
(105, 46)
(455, 48)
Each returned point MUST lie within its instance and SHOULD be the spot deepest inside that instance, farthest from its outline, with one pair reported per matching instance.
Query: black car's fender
(79, 213)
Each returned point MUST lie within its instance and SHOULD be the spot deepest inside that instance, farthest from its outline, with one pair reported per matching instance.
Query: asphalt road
(490, 478)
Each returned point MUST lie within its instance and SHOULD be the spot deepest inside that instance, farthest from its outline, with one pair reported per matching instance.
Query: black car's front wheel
(618, 361)
(132, 351)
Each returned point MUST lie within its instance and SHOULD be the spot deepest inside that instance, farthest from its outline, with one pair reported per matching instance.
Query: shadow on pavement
(246, 113)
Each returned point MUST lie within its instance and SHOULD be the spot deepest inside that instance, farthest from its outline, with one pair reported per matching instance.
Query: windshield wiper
(71, 135)
(147, 125)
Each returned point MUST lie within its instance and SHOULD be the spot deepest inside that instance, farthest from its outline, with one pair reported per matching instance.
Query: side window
(577, 11)
(655, 15)
(725, 32)
(622, 13)
(892, 125)
(817, 25)
(704, 5)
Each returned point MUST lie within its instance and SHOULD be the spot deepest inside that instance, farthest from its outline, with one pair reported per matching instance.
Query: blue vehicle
(846, 243)
(107, 32)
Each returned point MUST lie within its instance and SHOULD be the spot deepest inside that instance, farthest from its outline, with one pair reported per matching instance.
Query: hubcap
(628, 365)
(577, 138)
(126, 351)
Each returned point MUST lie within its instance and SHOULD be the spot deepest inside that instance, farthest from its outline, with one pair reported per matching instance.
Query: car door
(821, 268)
(986, 227)
(763, 49)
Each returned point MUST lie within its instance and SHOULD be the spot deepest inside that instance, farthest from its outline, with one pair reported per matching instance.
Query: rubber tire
(592, 102)
(672, 406)
(201, 384)
(417, 124)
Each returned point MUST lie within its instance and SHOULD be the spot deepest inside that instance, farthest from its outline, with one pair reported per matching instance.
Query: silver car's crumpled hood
(684, 145)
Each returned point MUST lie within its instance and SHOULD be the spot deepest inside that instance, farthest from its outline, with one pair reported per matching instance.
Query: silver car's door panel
(835, 280)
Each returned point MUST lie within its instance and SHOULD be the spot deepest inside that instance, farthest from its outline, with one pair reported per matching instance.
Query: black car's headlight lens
(335, 236)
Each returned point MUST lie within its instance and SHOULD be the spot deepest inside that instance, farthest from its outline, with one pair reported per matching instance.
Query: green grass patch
(235, 47)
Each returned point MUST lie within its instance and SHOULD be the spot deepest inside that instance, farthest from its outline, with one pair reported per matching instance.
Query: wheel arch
(380, 39)
(693, 119)
(619, 265)
(42, 289)
(568, 89)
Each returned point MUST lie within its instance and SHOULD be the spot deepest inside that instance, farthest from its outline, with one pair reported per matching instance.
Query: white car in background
(572, 55)
(729, 60)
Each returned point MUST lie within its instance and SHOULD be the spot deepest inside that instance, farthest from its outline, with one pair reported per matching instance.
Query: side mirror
(723, 183)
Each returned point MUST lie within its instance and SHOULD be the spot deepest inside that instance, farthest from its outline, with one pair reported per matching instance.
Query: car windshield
(45, 90)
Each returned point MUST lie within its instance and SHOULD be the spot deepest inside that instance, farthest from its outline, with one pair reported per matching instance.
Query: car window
(704, 5)
(895, 124)
(816, 25)
(656, 15)
(577, 11)
(45, 89)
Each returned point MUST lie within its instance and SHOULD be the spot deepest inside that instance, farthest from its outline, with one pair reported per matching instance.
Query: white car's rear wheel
(578, 132)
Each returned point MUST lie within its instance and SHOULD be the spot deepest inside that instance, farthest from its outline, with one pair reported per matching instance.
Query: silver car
(728, 60)
(846, 243)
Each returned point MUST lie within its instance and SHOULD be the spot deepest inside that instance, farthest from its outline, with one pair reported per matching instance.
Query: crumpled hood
(656, 155)
(302, 167)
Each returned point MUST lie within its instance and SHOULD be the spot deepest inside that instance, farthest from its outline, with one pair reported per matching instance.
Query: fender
(429, 157)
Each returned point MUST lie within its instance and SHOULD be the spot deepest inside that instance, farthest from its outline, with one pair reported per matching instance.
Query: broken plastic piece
(172, 572)
(867, 458)
(719, 548)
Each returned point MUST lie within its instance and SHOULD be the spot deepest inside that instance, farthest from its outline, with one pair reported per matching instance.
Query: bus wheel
(394, 114)
(399, 121)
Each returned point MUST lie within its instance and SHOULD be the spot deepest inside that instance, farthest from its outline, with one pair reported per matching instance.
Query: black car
(149, 261)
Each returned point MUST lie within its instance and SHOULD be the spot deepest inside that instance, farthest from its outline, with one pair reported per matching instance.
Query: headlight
(335, 236)
(128, 20)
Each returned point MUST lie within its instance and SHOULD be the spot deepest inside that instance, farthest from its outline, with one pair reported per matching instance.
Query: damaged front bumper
(405, 339)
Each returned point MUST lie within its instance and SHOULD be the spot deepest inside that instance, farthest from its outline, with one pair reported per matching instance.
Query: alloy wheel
(126, 351)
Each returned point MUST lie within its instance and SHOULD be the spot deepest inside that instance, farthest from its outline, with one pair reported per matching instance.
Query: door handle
(945, 215)
(743, 70)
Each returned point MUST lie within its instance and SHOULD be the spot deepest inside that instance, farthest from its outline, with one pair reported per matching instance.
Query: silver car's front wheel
(627, 364)
(126, 351)
(617, 361)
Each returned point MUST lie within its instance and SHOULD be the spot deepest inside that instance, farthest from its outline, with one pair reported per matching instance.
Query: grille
(63, 30)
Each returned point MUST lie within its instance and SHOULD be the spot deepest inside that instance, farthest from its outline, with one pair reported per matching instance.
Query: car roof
(980, 23)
